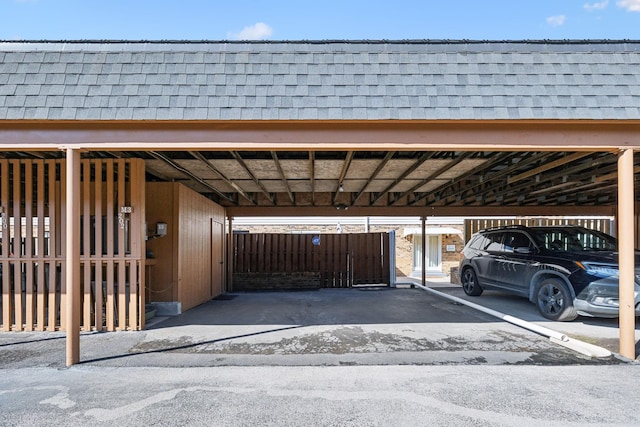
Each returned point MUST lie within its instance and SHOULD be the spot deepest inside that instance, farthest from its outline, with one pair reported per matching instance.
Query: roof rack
(507, 227)
(527, 227)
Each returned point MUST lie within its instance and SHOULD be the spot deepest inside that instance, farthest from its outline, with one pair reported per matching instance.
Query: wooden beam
(613, 175)
(283, 177)
(191, 175)
(420, 160)
(375, 173)
(410, 135)
(486, 168)
(399, 211)
(432, 176)
(343, 173)
(240, 160)
(500, 174)
(312, 175)
(524, 188)
(547, 166)
(215, 170)
(494, 183)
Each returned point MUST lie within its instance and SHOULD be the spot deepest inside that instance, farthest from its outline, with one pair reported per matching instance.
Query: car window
(516, 239)
(480, 242)
(494, 242)
(574, 240)
(476, 242)
(593, 240)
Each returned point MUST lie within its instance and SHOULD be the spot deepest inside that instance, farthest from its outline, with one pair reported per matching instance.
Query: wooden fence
(268, 261)
(32, 246)
(602, 224)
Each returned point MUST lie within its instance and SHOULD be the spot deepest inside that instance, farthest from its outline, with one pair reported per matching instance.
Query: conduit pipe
(554, 336)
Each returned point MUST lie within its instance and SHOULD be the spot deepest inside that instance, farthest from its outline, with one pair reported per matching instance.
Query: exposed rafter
(343, 173)
(521, 191)
(547, 166)
(312, 176)
(373, 176)
(468, 179)
(283, 177)
(613, 175)
(242, 163)
(191, 175)
(491, 178)
(434, 175)
(423, 158)
(213, 169)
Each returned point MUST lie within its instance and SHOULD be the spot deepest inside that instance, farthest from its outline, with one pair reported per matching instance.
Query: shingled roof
(324, 80)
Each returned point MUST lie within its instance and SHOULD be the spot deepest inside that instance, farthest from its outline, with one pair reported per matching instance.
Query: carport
(420, 128)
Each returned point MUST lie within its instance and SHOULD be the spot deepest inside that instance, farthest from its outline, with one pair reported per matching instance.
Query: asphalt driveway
(327, 327)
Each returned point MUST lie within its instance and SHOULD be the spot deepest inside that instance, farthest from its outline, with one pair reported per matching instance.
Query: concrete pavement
(465, 395)
(333, 357)
(598, 331)
(368, 326)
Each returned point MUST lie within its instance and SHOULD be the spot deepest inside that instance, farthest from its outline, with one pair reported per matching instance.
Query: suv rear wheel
(470, 283)
(554, 300)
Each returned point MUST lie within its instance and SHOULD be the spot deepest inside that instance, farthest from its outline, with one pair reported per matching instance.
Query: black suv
(565, 270)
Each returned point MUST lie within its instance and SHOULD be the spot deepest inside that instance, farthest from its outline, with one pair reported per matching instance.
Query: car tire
(554, 301)
(470, 284)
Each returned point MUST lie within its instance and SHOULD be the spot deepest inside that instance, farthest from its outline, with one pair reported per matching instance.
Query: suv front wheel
(554, 300)
(470, 283)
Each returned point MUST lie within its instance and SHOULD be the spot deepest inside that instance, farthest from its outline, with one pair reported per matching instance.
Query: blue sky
(318, 20)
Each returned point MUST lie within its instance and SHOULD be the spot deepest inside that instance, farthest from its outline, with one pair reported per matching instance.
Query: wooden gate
(32, 245)
(272, 261)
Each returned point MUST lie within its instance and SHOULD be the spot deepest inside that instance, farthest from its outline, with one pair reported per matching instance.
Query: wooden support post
(230, 251)
(626, 238)
(72, 256)
(424, 250)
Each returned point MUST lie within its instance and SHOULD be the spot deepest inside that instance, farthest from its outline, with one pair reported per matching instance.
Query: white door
(434, 253)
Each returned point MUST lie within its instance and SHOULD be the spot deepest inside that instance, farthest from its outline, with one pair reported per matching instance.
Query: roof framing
(448, 167)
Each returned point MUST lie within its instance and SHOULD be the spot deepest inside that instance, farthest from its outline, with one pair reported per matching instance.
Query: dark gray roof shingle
(341, 80)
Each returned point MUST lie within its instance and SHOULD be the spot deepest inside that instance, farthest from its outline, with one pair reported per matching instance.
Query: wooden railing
(32, 226)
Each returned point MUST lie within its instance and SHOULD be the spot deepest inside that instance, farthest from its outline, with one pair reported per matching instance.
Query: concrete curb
(582, 347)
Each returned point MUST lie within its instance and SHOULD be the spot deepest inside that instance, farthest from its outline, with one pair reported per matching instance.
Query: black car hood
(606, 257)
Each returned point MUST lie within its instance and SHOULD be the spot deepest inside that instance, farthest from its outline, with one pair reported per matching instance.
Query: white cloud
(556, 21)
(630, 5)
(596, 6)
(258, 31)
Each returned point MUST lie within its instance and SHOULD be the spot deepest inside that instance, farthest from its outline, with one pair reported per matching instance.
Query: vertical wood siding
(336, 261)
(189, 261)
(32, 218)
(195, 242)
